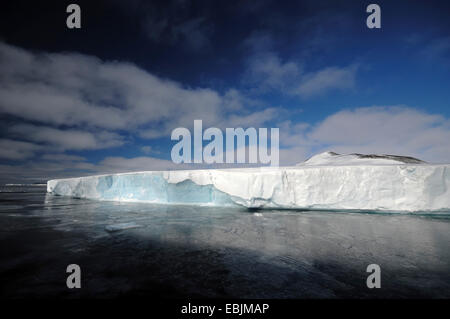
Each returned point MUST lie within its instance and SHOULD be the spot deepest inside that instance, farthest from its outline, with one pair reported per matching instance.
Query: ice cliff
(326, 181)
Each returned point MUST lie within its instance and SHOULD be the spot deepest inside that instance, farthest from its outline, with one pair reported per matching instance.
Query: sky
(105, 98)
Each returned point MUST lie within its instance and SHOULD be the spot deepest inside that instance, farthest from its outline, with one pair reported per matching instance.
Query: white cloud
(267, 72)
(255, 119)
(146, 149)
(60, 166)
(143, 163)
(327, 79)
(79, 102)
(16, 150)
(436, 49)
(71, 89)
(173, 24)
(41, 171)
(83, 91)
(62, 158)
(69, 139)
(429, 48)
(397, 130)
(294, 155)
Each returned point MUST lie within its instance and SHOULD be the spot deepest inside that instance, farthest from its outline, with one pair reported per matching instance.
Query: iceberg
(326, 181)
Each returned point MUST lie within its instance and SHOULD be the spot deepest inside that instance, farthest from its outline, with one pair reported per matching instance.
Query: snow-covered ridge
(332, 158)
(400, 187)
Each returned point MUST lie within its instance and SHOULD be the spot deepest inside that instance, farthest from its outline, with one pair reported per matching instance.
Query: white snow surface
(382, 186)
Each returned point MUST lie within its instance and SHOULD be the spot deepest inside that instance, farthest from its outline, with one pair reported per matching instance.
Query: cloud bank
(57, 103)
(377, 129)
(70, 101)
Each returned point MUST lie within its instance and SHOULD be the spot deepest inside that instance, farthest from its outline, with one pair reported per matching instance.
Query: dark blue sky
(107, 96)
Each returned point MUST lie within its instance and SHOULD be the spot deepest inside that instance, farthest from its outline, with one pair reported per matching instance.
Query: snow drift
(372, 183)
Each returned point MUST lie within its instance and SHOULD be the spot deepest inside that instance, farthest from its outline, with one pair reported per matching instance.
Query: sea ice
(121, 226)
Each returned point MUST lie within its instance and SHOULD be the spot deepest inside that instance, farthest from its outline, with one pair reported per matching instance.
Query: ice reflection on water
(320, 253)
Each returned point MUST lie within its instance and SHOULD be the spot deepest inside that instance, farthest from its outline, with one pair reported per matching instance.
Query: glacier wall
(359, 187)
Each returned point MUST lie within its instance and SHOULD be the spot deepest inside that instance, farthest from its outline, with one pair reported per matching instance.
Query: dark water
(183, 251)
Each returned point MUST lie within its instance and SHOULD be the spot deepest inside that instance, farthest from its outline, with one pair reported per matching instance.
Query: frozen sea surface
(144, 250)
